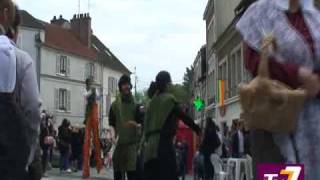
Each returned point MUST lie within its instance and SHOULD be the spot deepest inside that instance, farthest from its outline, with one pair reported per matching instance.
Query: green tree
(140, 97)
(180, 92)
(187, 81)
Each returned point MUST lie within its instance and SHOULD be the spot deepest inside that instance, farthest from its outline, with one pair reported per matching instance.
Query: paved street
(105, 175)
(55, 175)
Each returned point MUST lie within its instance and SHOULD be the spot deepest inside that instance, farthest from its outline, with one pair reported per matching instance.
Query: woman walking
(294, 24)
(64, 145)
(160, 129)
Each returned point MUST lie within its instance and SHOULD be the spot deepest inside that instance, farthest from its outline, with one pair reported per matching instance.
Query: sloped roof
(27, 20)
(109, 58)
(65, 40)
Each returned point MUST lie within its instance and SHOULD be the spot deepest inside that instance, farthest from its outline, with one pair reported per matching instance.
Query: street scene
(160, 90)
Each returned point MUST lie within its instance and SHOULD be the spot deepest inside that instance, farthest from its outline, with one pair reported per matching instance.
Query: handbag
(268, 104)
(48, 140)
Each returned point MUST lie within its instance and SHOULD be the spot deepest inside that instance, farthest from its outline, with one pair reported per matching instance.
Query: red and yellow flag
(221, 92)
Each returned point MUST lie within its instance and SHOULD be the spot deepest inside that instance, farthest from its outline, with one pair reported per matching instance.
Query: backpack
(14, 145)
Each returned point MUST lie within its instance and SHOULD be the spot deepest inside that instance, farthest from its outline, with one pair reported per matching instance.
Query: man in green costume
(161, 123)
(124, 119)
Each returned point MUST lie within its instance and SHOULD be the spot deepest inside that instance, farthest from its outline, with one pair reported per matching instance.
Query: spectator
(185, 153)
(46, 141)
(64, 136)
(77, 139)
(198, 166)
(210, 143)
(17, 79)
(238, 142)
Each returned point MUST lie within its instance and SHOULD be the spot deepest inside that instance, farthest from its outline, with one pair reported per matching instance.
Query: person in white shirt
(17, 77)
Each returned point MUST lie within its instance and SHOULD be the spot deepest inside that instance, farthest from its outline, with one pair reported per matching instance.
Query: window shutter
(108, 104)
(86, 71)
(68, 66)
(109, 85)
(56, 98)
(68, 100)
(114, 85)
(58, 64)
(95, 74)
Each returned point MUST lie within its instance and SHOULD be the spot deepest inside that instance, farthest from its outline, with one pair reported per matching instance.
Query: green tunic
(157, 113)
(125, 154)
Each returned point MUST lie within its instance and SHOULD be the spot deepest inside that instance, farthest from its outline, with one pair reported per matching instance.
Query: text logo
(280, 172)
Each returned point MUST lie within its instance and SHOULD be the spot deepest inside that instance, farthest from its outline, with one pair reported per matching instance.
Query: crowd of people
(225, 143)
(68, 140)
(144, 136)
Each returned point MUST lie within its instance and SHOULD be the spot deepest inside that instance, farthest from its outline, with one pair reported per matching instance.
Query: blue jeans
(64, 160)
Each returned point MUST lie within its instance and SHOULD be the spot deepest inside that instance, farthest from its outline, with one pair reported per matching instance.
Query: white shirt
(241, 142)
(219, 149)
(87, 94)
(8, 65)
(30, 98)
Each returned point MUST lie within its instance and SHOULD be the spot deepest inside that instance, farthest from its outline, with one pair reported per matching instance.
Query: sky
(151, 35)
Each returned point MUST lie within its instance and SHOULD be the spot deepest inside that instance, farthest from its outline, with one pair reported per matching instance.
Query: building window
(62, 100)
(63, 65)
(235, 72)
(210, 89)
(112, 85)
(90, 71)
(211, 35)
(222, 75)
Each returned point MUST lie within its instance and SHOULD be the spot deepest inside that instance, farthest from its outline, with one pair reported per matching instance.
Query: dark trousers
(165, 166)
(118, 175)
(44, 158)
(208, 168)
(35, 168)
(264, 149)
(76, 159)
(64, 159)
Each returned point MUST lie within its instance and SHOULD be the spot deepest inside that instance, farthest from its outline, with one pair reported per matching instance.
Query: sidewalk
(54, 174)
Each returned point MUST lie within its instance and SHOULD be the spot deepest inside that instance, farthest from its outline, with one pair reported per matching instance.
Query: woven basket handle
(263, 70)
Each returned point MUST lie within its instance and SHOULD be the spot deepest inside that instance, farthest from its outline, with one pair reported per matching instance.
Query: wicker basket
(269, 104)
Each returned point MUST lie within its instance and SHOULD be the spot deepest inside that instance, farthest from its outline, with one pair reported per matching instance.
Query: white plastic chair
(241, 162)
(217, 163)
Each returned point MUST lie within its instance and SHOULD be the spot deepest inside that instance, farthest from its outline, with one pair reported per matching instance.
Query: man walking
(124, 119)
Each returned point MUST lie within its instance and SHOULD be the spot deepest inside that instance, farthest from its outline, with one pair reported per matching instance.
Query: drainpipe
(38, 42)
(100, 58)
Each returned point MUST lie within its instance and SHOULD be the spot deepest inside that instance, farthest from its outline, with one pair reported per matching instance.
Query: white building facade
(66, 54)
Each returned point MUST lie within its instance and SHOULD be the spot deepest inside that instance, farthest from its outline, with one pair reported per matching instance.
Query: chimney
(81, 25)
(60, 22)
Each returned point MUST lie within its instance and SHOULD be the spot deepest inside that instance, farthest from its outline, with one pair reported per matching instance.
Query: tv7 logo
(292, 172)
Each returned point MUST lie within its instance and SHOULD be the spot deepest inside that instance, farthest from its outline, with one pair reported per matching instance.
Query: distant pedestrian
(185, 152)
(238, 142)
(198, 166)
(160, 128)
(46, 141)
(19, 104)
(77, 139)
(210, 143)
(64, 141)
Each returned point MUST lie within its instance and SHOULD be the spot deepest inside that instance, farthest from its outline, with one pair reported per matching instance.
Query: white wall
(77, 64)
(26, 40)
(224, 12)
(107, 72)
(75, 83)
